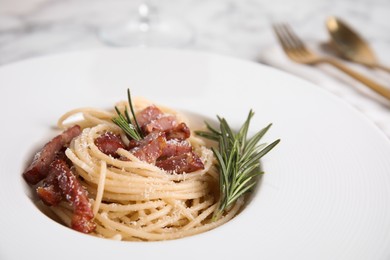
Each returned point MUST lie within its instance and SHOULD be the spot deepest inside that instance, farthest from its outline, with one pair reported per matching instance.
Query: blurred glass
(148, 28)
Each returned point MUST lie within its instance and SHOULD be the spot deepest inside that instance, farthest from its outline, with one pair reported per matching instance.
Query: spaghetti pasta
(132, 199)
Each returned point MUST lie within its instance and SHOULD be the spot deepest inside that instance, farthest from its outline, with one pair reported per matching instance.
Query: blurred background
(30, 28)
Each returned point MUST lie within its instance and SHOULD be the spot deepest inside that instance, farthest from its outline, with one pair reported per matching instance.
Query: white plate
(325, 194)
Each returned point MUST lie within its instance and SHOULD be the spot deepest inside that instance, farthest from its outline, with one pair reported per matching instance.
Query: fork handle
(378, 88)
(382, 67)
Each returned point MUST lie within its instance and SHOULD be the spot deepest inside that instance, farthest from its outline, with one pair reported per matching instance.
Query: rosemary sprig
(238, 159)
(128, 125)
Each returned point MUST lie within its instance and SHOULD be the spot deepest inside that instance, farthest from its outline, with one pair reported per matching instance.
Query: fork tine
(287, 37)
(293, 36)
(280, 34)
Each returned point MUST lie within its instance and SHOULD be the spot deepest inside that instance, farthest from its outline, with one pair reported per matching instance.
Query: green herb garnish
(128, 125)
(238, 159)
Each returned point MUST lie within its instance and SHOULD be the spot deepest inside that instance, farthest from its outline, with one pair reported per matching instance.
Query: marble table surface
(240, 28)
(30, 28)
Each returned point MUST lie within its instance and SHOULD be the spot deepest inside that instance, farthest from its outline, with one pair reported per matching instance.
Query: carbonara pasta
(131, 196)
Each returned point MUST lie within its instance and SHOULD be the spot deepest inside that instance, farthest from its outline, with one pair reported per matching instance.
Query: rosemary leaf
(238, 159)
(132, 112)
(130, 127)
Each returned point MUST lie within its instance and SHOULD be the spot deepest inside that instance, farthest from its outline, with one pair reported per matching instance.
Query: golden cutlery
(298, 52)
(351, 45)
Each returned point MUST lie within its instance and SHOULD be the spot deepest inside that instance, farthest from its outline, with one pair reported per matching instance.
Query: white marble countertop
(240, 28)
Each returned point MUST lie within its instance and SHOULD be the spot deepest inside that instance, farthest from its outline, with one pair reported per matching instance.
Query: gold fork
(298, 52)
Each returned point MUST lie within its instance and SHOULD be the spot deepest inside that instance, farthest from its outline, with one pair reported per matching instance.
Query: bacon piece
(38, 169)
(133, 143)
(50, 192)
(150, 148)
(180, 132)
(75, 194)
(148, 114)
(160, 124)
(153, 119)
(186, 162)
(165, 143)
(175, 147)
(109, 143)
(61, 155)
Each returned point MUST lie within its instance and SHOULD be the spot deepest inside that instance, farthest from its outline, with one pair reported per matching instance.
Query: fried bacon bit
(75, 194)
(150, 148)
(186, 162)
(165, 144)
(148, 114)
(180, 132)
(59, 183)
(38, 169)
(160, 124)
(171, 152)
(175, 147)
(50, 192)
(152, 119)
(109, 143)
